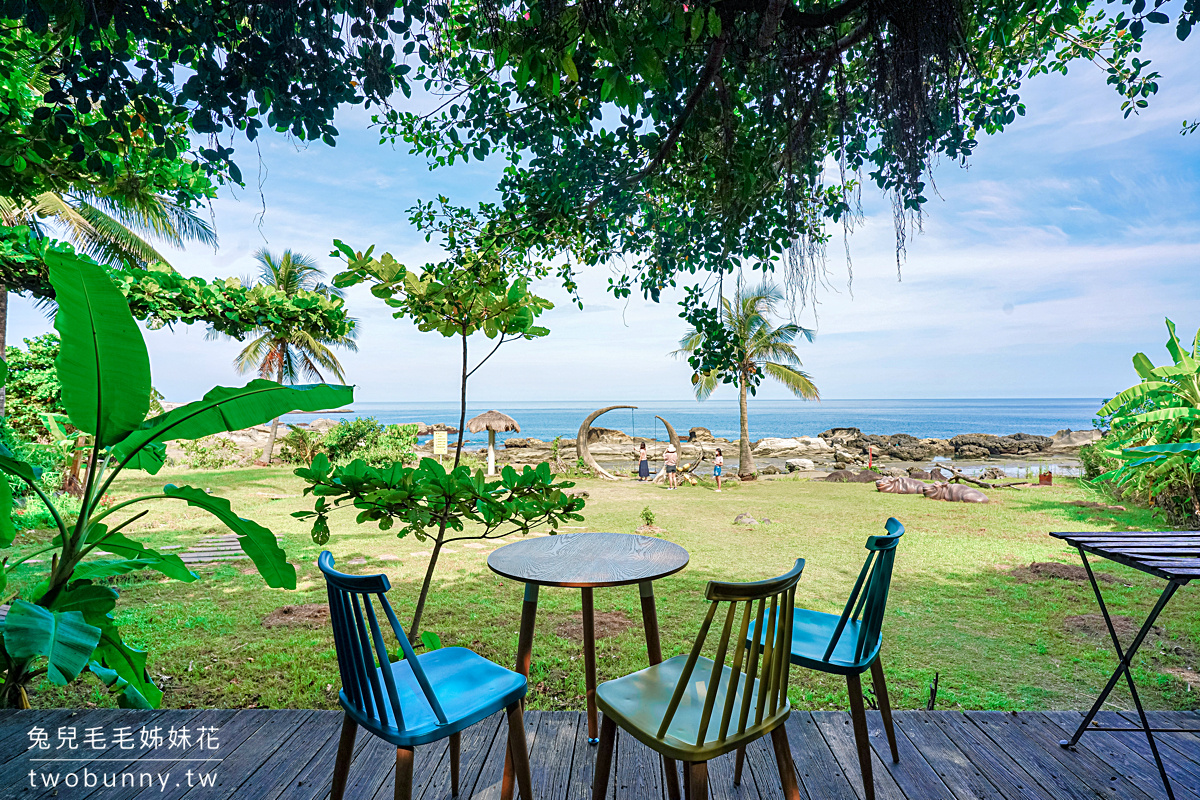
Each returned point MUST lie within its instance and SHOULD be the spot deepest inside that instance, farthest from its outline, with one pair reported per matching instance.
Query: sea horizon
(940, 418)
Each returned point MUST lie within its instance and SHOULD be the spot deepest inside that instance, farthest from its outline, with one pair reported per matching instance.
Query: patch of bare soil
(608, 623)
(1092, 626)
(650, 530)
(310, 615)
(1040, 570)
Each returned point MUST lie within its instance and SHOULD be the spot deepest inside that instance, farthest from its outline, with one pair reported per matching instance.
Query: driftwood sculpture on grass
(584, 452)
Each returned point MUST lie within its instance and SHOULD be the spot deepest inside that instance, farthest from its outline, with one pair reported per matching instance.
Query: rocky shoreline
(835, 448)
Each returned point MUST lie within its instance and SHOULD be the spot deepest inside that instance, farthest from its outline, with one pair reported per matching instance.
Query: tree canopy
(696, 137)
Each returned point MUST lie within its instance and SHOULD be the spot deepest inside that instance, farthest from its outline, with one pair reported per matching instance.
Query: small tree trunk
(414, 630)
(270, 448)
(462, 407)
(491, 453)
(745, 459)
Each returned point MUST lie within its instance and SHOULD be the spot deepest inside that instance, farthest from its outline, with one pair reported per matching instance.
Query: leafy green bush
(367, 439)
(300, 445)
(1096, 461)
(29, 511)
(211, 452)
(647, 516)
(33, 387)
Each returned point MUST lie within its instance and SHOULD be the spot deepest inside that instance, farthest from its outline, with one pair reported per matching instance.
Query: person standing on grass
(643, 464)
(671, 459)
(718, 462)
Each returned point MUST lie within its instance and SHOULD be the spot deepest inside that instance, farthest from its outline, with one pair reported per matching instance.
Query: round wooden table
(588, 561)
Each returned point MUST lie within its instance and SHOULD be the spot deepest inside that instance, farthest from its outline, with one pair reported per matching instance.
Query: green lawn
(998, 639)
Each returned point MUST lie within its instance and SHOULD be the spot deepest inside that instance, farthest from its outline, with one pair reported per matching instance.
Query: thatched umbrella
(492, 421)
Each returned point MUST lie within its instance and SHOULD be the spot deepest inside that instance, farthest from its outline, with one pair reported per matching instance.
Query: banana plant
(63, 625)
(1155, 425)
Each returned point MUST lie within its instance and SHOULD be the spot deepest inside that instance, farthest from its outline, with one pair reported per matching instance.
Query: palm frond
(797, 382)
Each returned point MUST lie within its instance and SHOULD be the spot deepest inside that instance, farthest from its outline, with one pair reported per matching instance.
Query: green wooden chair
(670, 706)
(848, 644)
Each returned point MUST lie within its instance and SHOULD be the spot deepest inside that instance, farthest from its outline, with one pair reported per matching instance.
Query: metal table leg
(654, 654)
(589, 664)
(1126, 658)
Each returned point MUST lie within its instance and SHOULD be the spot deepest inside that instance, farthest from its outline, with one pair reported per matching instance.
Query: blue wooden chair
(848, 644)
(397, 701)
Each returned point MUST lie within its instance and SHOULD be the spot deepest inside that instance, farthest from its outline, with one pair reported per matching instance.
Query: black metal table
(1173, 556)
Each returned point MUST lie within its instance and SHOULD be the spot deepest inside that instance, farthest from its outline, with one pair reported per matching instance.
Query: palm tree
(113, 228)
(285, 355)
(764, 351)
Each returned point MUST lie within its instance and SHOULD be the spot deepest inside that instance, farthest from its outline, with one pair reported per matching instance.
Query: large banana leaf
(256, 541)
(119, 544)
(63, 637)
(1181, 357)
(227, 408)
(1161, 415)
(92, 600)
(1133, 393)
(123, 669)
(8, 531)
(102, 364)
(1166, 449)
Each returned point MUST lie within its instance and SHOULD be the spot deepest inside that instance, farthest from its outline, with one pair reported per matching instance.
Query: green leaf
(129, 664)
(256, 541)
(15, 466)
(1171, 448)
(8, 531)
(92, 600)
(1133, 393)
(431, 640)
(3, 372)
(227, 408)
(119, 544)
(102, 364)
(64, 638)
(91, 570)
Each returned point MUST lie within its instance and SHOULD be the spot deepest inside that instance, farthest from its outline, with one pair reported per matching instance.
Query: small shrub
(344, 441)
(647, 516)
(211, 452)
(1096, 462)
(300, 445)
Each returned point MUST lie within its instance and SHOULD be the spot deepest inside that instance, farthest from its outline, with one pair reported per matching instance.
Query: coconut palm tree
(285, 355)
(765, 351)
(114, 229)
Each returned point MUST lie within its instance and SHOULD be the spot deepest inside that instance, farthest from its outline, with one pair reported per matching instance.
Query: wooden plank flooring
(289, 754)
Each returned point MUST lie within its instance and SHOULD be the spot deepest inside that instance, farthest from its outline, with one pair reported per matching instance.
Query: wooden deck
(270, 755)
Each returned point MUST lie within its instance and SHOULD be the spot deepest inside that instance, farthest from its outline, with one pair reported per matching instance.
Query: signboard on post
(439, 443)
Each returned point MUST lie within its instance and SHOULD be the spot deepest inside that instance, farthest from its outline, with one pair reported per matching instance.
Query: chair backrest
(868, 601)
(363, 659)
(768, 659)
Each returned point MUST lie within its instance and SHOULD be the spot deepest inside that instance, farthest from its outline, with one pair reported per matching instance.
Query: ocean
(940, 418)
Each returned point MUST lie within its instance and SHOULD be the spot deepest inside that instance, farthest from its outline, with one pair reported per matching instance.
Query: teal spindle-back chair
(419, 699)
(848, 644)
(693, 708)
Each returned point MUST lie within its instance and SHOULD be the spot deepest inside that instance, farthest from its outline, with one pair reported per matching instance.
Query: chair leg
(783, 758)
(455, 747)
(885, 705)
(604, 755)
(518, 751)
(698, 780)
(861, 736)
(737, 769)
(341, 768)
(404, 773)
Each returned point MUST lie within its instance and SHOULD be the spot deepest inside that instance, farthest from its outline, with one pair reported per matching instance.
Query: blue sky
(1041, 268)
